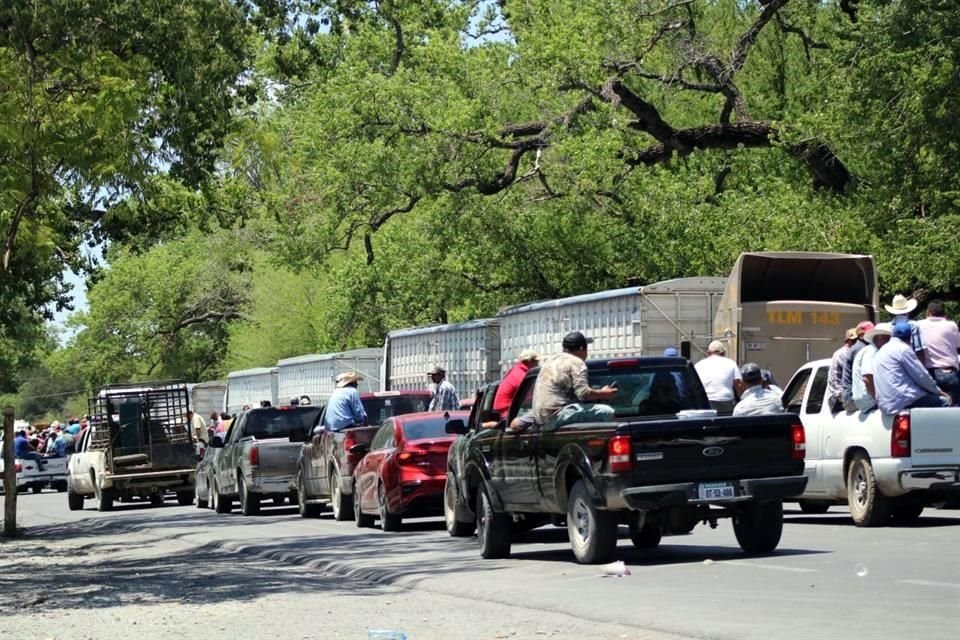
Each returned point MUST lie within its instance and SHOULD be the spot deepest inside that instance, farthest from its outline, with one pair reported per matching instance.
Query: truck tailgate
(278, 457)
(935, 436)
(717, 448)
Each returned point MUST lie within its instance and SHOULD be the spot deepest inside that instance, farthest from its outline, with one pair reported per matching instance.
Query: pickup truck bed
(665, 463)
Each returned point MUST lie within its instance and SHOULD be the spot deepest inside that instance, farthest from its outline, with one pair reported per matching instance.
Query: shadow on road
(844, 519)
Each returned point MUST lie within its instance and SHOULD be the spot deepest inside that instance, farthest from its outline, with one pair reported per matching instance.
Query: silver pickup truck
(257, 461)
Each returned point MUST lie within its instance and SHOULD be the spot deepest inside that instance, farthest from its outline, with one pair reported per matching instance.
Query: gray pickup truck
(257, 461)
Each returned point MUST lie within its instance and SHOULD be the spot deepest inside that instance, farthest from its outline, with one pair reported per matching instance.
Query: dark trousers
(929, 400)
(33, 455)
(949, 381)
(722, 406)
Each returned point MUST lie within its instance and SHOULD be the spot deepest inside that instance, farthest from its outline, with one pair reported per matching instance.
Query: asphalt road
(827, 579)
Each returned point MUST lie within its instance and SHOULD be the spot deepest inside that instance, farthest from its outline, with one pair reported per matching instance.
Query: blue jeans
(33, 455)
(949, 381)
(929, 400)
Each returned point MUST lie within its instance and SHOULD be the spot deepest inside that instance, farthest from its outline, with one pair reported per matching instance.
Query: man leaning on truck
(720, 377)
(345, 408)
(562, 390)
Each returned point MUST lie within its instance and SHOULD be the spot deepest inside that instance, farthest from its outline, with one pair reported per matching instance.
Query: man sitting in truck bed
(562, 387)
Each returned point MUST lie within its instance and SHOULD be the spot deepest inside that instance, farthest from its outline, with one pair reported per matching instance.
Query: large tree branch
(648, 118)
(749, 37)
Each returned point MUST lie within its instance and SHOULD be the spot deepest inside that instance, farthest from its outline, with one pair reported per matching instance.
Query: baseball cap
(751, 372)
(528, 354)
(437, 370)
(864, 327)
(901, 330)
(576, 340)
(670, 352)
(716, 347)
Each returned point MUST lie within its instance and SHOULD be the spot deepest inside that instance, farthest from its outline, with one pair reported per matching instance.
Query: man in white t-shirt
(720, 377)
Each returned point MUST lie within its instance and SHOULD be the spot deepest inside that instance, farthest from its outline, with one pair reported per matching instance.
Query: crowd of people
(56, 440)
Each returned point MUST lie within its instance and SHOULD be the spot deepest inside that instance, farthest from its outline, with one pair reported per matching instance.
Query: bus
(784, 309)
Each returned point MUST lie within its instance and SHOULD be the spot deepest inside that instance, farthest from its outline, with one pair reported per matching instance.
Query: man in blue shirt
(900, 379)
(23, 451)
(344, 408)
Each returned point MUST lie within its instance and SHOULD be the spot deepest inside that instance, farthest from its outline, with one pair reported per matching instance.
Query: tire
(202, 503)
(493, 529)
(646, 537)
(342, 505)
(104, 498)
(306, 510)
(868, 507)
(759, 526)
(74, 501)
(363, 520)
(388, 521)
(249, 502)
(185, 498)
(221, 503)
(455, 528)
(61, 486)
(814, 508)
(593, 532)
(907, 513)
(36, 488)
(156, 499)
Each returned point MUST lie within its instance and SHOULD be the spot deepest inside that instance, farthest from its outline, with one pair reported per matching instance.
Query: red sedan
(404, 472)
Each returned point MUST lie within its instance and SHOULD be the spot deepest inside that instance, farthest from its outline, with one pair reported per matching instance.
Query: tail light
(620, 454)
(799, 441)
(254, 456)
(349, 441)
(17, 467)
(412, 457)
(900, 436)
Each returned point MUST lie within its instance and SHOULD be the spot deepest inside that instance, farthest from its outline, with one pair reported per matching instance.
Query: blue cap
(902, 330)
(670, 352)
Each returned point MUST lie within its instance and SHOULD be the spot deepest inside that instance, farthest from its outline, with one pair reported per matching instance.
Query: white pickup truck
(884, 467)
(30, 477)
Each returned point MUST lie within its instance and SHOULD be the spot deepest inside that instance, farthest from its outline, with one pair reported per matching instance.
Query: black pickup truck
(665, 463)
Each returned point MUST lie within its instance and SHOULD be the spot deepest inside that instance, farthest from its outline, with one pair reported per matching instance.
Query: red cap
(863, 327)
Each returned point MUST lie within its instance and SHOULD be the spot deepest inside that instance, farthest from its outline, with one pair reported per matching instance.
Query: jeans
(577, 412)
(929, 400)
(33, 455)
(722, 406)
(949, 381)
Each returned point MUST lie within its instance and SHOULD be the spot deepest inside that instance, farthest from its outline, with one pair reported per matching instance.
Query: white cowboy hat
(901, 305)
(880, 329)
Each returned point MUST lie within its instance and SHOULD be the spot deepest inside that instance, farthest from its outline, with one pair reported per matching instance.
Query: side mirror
(216, 442)
(298, 435)
(455, 427)
(358, 449)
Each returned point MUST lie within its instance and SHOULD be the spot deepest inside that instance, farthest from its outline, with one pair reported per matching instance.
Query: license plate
(716, 490)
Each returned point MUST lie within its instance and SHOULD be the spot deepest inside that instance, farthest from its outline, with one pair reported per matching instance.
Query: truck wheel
(646, 537)
(493, 529)
(156, 499)
(249, 502)
(388, 521)
(306, 510)
(759, 526)
(814, 508)
(104, 497)
(593, 532)
(362, 519)
(202, 503)
(74, 501)
(868, 507)
(184, 498)
(36, 488)
(455, 528)
(221, 503)
(342, 505)
(61, 486)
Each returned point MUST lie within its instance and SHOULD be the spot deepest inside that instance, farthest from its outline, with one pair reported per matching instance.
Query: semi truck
(250, 387)
(314, 375)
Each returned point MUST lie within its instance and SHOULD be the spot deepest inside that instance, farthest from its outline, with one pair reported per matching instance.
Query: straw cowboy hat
(901, 305)
(347, 378)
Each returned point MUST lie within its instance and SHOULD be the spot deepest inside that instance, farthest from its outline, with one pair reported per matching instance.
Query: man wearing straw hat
(345, 409)
(900, 308)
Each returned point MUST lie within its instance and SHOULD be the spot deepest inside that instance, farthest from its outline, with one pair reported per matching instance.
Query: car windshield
(426, 428)
(380, 409)
(653, 391)
(279, 422)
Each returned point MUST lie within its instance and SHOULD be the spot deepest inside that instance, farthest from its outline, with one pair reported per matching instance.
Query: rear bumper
(938, 479)
(686, 493)
(176, 478)
(420, 497)
(272, 484)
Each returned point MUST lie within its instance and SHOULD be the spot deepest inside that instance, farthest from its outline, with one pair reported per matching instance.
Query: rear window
(432, 428)
(380, 409)
(652, 392)
(279, 423)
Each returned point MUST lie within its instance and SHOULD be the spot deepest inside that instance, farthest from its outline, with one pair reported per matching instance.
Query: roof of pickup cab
(640, 361)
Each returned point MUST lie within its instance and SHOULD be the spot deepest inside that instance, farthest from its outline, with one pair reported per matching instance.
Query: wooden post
(9, 476)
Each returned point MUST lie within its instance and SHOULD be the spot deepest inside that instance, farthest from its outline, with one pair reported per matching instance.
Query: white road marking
(931, 583)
